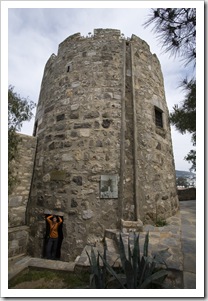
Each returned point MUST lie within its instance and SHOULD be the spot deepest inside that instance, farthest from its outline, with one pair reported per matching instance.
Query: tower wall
(100, 157)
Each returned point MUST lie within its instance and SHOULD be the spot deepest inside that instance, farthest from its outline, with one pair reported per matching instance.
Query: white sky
(35, 33)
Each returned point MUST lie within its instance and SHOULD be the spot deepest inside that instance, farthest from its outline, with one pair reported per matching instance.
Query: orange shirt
(53, 227)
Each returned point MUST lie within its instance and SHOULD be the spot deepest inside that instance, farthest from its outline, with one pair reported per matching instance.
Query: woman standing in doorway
(53, 236)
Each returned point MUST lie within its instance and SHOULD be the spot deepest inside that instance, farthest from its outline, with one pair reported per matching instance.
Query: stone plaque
(109, 187)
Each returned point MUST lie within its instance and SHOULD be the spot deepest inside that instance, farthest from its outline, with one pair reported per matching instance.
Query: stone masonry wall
(18, 231)
(95, 117)
(157, 195)
(78, 122)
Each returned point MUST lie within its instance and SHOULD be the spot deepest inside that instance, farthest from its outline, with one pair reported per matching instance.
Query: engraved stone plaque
(109, 187)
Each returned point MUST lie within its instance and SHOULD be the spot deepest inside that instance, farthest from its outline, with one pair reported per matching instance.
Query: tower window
(68, 68)
(158, 118)
(35, 129)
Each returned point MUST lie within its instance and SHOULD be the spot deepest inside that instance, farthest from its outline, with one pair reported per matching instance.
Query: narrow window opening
(35, 130)
(68, 68)
(158, 118)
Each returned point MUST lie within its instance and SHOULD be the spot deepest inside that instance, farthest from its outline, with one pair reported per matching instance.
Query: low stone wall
(18, 231)
(187, 194)
(18, 239)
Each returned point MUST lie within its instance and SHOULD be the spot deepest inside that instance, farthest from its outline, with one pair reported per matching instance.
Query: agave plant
(98, 272)
(138, 272)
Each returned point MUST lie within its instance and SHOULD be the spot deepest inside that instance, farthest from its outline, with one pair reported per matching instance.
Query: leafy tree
(176, 27)
(181, 182)
(19, 110)
(184, 117)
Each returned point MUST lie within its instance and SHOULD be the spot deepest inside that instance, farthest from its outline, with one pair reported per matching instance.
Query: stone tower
(104, 151)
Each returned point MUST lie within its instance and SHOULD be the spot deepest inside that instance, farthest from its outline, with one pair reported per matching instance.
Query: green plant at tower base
(161, 223)
(137, 271)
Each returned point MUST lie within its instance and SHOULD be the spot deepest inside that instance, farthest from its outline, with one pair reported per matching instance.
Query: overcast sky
(35, 33)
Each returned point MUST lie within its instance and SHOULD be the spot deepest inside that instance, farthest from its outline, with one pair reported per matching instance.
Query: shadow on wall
(187, 194)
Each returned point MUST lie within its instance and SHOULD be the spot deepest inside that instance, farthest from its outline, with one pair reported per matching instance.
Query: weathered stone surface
(91, 126)
(132, 225)
(87, 214)
(84, 133)
(77, 180)
(46, 178)
(187, 194)
(60, 117)
(24, 169)
(82, 125)
(57, 175)
(15, 201)
(17, 240)
(91, 115)
(74, 107)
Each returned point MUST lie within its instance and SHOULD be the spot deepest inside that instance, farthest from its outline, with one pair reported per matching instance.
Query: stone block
(84, 133)
(46, 178)
(87, 214)
(74, 107)
(75, 84)
(84, 125)
(60, 117)
(132, 225)
(77, 180)
(90, 115)
(15, 201)
(58, 175)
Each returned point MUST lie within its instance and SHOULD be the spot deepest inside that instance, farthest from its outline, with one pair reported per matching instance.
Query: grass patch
(44, 279)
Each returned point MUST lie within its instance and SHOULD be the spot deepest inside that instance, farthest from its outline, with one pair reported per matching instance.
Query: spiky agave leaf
(96, 278)
(105, 258)
(122, 252)
(99, 278)
(135, 258)
(151, 264)
(129, 274)
(156, 276)
(129, 250)
(142, 269)
(111, 271)
(90, 262)
(146, 245)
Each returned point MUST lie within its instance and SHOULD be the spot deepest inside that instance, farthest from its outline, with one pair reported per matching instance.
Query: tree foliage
(184, 117)
(181, 182)
(19, 110)
(176, 28)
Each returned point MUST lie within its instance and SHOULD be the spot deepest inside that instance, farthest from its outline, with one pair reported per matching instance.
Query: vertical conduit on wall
(123, 127)
(136, 196)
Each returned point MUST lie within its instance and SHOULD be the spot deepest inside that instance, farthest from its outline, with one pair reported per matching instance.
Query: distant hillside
(184, 174)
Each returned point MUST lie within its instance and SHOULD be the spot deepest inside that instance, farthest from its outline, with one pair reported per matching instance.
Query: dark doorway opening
(60, 238)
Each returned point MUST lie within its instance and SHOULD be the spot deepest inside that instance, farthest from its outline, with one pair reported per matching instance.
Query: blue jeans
(51, 248)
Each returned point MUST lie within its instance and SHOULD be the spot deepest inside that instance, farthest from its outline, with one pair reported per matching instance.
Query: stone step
(51, 264)
(17, 264)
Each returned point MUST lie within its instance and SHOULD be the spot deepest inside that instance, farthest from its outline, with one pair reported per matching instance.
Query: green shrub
(160, 223)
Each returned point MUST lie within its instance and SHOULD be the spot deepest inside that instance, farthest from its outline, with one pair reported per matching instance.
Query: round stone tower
(104, 152)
